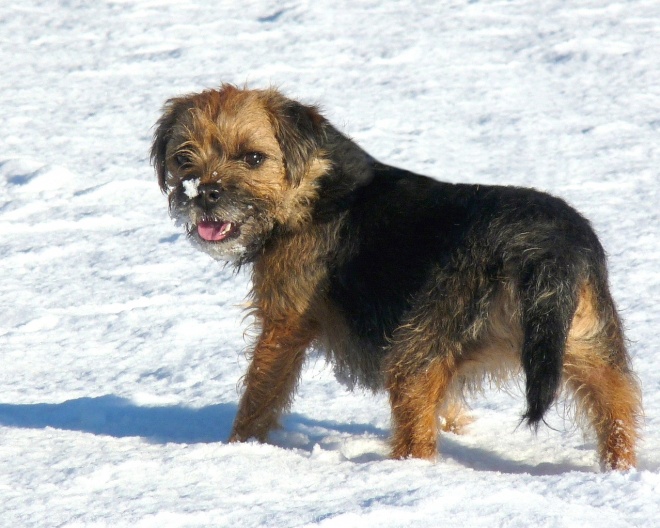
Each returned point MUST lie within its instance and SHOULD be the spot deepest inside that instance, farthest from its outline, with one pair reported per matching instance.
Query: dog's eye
(181, 160)
(254, 159)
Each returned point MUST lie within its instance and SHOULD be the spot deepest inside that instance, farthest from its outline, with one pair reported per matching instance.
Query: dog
(422, 288)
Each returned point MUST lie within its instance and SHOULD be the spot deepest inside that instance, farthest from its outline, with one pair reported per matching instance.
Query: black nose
(209, 193)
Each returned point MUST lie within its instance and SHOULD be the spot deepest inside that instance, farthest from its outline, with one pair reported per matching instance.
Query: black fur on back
(407, 237)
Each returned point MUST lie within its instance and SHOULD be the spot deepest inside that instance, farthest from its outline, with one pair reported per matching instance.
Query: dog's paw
(455, 419)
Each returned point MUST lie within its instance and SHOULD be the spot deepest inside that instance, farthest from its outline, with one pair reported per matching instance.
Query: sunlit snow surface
(122, 345)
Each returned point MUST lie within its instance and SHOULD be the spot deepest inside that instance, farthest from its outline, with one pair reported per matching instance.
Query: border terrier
(422, 288)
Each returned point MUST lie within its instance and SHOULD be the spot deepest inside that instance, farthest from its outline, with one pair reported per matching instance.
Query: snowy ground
(122, 346)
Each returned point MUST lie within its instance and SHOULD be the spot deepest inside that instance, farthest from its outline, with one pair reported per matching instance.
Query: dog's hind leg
(415, 396)
(597, 371)
(419, 369)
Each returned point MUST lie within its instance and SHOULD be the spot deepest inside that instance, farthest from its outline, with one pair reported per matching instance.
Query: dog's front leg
(271, 379)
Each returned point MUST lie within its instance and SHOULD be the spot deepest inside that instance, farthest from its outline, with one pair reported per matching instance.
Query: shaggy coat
(412, 285)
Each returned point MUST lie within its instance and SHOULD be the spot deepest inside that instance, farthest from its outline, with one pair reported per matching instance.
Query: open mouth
(215, 231)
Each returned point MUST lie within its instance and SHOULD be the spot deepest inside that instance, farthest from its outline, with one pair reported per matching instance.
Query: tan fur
(606, 395)
(415, 400)
(275, 295)
(272, 377)
(495, 356)
(427, 396)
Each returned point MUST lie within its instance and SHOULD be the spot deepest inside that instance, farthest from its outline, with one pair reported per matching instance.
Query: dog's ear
(299, 130)
(172, 111)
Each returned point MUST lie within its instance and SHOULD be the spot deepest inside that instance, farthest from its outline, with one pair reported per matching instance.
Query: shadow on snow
(119, 417)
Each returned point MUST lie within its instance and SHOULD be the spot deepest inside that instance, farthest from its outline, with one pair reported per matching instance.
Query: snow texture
(122, 345)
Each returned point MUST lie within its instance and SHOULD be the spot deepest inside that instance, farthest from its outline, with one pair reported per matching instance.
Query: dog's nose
(210, 193)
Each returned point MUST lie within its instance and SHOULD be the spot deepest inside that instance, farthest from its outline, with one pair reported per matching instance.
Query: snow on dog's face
(236, 165)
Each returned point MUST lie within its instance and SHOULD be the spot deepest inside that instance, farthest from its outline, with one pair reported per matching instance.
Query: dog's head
(239, 165)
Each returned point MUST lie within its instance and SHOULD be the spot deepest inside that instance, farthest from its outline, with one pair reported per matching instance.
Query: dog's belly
(356, 361)
(487, 348)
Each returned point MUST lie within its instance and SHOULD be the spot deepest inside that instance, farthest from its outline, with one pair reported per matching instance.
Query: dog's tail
(548, 293)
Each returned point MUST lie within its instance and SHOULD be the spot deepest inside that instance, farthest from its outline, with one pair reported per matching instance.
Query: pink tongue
(213, 231)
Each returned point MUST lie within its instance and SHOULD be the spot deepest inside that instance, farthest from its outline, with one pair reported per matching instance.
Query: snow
(122, 345)
(190, 187)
